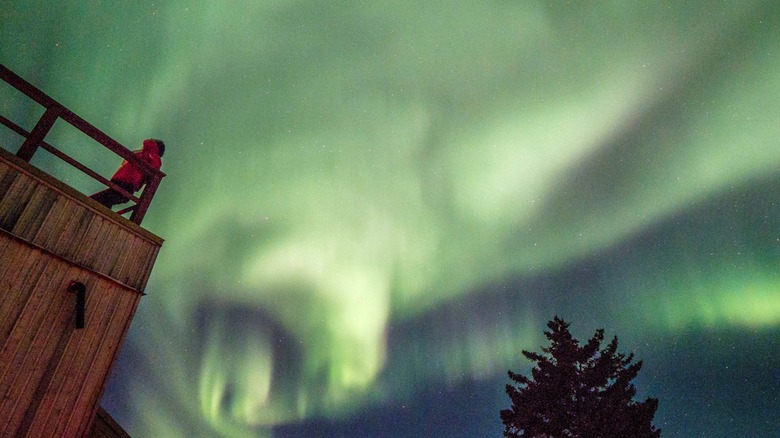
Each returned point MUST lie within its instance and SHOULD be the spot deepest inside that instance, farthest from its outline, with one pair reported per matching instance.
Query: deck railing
(35, 139)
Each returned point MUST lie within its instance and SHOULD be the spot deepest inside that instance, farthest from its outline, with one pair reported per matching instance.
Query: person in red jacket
(130, 177)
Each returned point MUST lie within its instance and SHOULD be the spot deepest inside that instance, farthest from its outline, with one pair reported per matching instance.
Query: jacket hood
(150, 145)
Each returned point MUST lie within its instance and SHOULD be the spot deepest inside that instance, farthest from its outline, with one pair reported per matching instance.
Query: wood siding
(52, 374)
(49, 214)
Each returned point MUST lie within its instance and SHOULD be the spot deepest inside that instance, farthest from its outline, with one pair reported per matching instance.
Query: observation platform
(72, 273)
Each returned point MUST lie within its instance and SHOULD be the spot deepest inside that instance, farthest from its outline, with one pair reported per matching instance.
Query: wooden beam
(38, 133)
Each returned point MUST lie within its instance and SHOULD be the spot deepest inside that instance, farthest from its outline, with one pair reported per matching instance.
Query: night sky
(372, 207)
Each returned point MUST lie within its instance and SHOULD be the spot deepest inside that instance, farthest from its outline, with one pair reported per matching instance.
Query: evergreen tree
(578, 391)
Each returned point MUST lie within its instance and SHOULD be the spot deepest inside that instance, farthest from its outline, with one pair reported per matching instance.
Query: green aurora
(367, 202)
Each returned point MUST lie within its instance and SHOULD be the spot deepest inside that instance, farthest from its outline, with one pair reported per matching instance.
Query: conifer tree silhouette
(578, 391)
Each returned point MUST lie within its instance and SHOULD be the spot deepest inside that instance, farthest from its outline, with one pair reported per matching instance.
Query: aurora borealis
(372, 207)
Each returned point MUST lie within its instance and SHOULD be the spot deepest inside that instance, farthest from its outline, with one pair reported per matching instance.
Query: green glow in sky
(367, 200)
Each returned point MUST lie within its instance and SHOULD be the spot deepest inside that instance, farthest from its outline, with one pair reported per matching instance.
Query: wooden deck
(52, 374)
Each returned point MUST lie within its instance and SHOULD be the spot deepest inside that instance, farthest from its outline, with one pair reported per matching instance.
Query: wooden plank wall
(52, 375)
(74, 226)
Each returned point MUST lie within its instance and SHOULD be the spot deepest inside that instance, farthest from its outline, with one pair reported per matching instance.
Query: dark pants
(110, 197)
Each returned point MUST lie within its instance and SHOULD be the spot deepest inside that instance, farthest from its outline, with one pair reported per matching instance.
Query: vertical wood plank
(25, 325)
(145, 272)
(110, 249)
(53, 224)
(75, 229)
(8, 255)
(3, 171)
(34, 212)
(86, 401)
(12, 204)
(53, 400)
(125, 255)
(81, 249)
(14, 282)
(5, 241)
(44, 335)
(7, 180)
(79, 354)
(127, 271)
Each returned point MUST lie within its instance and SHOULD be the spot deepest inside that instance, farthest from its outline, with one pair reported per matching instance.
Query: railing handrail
(54, 111)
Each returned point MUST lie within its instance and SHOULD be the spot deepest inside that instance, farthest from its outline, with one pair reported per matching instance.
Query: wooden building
(72, 273)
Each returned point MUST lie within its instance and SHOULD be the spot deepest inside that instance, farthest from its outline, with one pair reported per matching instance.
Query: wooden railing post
(146, 199)
(38, 133)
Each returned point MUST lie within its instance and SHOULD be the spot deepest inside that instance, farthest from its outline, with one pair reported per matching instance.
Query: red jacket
(129, 174)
